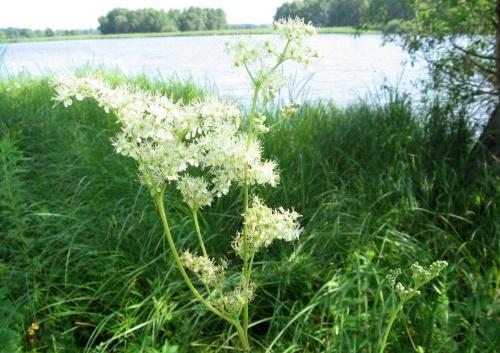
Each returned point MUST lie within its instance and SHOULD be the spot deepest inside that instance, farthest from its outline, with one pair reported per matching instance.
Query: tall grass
(379, 187)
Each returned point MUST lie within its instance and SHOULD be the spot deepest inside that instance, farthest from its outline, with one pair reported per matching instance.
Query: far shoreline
(221, 32)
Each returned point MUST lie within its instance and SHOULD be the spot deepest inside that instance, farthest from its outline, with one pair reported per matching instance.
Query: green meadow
(84, 265)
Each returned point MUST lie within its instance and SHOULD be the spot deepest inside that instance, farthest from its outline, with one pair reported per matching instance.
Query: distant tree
(175, 15)
(104, 26)
(49, 32)
(215, 19)
(347, 12)
(193, 19)
(289, 9)
(121, 24)
(114, 22)
(325, 13)
(318, 12)
(387, 10)
(151, 20)
(135, 20)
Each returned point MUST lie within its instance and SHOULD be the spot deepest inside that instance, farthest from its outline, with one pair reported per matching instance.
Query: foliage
(380, 187)
(15, 33)
(120, 20)
(332, 13)
(204, 149)
(460, 42)
(457, 40)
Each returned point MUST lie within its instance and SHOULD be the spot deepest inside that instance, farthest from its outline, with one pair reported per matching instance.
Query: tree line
(332, 13)
(122, 20)
(14, 32)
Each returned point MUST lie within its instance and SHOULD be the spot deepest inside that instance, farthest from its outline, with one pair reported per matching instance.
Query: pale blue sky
(78, 14)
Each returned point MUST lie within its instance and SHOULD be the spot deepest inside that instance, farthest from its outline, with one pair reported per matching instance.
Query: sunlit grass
(83, 254)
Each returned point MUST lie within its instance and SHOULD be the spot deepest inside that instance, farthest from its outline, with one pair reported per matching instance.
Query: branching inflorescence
(204, 148)
(420, 277)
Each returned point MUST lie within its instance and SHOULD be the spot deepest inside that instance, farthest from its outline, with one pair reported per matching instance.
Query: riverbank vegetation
(120, 20)
(333, 13)
(84, 265)
(237, 30)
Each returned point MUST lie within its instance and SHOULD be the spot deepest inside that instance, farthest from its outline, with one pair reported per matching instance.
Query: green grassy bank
(82, 252)
(221, 32)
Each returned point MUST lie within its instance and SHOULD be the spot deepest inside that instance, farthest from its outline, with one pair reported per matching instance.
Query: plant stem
(247, 260)
(246, 272)
(246, 267)
(392, 318)
(198, 232)
(243, 336)
(168, 234)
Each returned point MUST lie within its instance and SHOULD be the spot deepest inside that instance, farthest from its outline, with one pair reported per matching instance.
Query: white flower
(236, 158)
(233, 301)
(205, 268)
(264, 225)
(167, 138)
(194, 191)
(421, 275)
(294, 28)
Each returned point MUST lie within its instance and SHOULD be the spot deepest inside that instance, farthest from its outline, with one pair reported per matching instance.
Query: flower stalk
(205, 148)
(420, 276)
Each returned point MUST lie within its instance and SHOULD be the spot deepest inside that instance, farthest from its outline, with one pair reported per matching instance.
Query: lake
(349, 67)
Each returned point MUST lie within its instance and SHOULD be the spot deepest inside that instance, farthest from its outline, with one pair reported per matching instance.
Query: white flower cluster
(264, 225)
(297, 33)
(420, 276)
(392, 276)
(424, 275)
(232, 302)
(166, 138)
(205, 268)
(402, 291)
(262, 58)
(194, 191)
(236, 157)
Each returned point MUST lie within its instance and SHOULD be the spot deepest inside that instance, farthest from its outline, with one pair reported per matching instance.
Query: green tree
(289, 9)
(347, 12)
(151, 20)
(193, 19)
(215, 19)
(339, 12)
(460, 40)
(114, 22)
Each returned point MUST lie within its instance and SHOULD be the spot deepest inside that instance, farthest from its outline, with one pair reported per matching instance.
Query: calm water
(349, 66)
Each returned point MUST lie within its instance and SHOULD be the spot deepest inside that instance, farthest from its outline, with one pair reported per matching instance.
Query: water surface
(349, 67)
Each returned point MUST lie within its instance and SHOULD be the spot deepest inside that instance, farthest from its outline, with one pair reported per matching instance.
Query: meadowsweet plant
(204, 149)
(420, 277)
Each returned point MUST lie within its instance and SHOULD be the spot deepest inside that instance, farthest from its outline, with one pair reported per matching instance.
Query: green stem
(243, 336)
(253, 111)
(414, 291)
(241, 333)
(392, 318)
(168, 234)
(247, 261)
(198, 232)
(246, 272)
